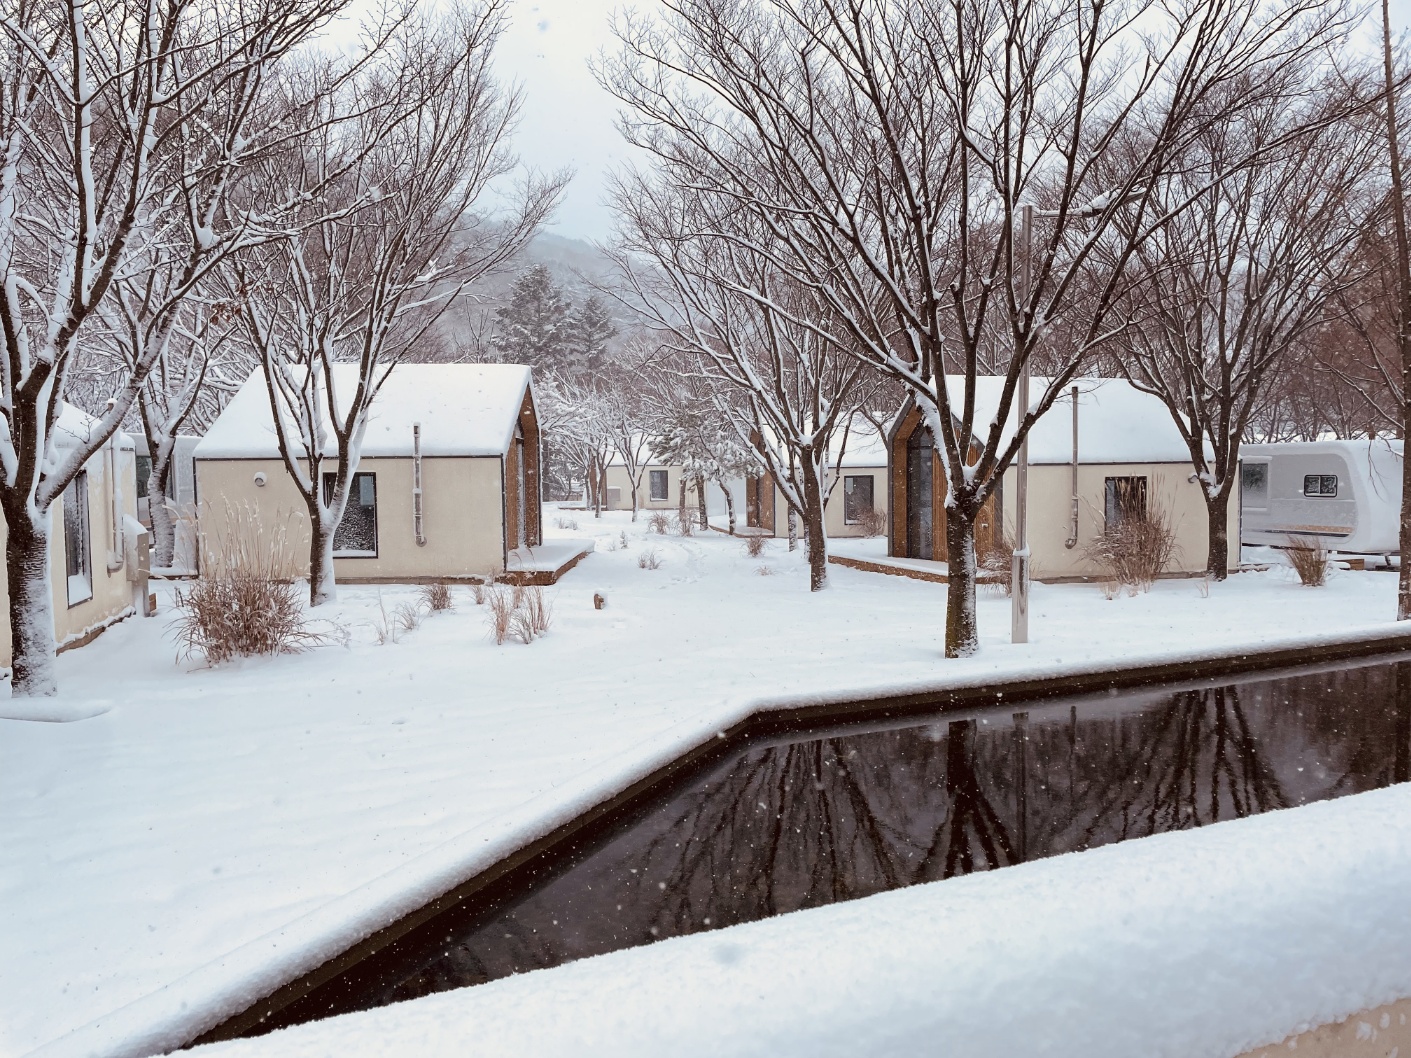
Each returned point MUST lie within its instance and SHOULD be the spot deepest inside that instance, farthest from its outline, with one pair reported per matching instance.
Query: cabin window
(356, 536)
(1320, 484)
(78, 550)
(1254, 483)
(857, 498)
(1124, 501)
(144, 471)
(657, 485)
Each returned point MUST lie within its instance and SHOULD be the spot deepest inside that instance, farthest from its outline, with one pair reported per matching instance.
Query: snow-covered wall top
(464, 410)
(1117, 423)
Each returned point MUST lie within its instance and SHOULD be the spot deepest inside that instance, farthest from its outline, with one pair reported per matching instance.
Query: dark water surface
(814, 818)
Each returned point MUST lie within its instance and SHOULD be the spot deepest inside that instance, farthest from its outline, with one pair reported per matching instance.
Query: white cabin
(1344, 494)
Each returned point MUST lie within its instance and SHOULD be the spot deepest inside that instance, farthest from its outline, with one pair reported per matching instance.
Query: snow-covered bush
(570, 524)
(660, 523)
(994, 554)
(755, 544)
(247, 600)
(683, 524)
(1309, 559)
(649, 559)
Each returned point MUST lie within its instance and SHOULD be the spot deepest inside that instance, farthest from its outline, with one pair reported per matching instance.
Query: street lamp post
(1019, 566)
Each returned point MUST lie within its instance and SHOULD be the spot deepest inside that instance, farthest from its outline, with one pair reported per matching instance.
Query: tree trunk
(1217, 559)
(701, 501)
(813, 526)
(681, 504)
(31, 605)
(634, 502)
(1403, 311)
(160, 507)
(962, 626)
(323, 586)
(729, 507)
(793, 521)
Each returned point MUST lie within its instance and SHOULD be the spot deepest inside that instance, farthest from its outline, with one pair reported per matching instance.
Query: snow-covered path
(152, 846)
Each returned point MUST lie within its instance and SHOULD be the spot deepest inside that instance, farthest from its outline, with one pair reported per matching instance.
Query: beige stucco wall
(112, 592)
(1384, 1032)
(1050, 510)
(462, 513)
(833, 523)
(618, 478)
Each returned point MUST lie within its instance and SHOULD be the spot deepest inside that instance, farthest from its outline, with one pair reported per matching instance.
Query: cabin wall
(112, 591)
(463, 510)
(1050, 511)
(618, 478)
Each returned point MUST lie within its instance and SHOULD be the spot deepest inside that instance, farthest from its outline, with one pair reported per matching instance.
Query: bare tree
(1403, 298)
(123, 128)
(797, 389)
(1222, 296)
(393, 233)
(888, 149)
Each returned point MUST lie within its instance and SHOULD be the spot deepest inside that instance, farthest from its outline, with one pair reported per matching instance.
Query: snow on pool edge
(173, 1015)
(1194, 944)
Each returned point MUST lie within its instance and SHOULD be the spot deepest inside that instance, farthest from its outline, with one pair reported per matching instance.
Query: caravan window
(1254, 483)
(356, 536)
(658, 486)
(78, 559)
(857, 498)
(1320, 484)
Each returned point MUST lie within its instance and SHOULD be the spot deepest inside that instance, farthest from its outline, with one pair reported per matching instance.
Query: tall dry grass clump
(247, 600)
(994, 554)
(1137, 550)
(755, 544)
(522, 612)
(436, 596)
(873, 522)
(1309, 559)
(683, 525)
(659, 523)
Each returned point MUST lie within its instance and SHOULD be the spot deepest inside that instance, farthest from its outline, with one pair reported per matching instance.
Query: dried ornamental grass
(1309, 559)
(755, 544)
(247, 601)
(659, 523)
(649, 559)
(436, 597)
(873, 522)
(1133, 553)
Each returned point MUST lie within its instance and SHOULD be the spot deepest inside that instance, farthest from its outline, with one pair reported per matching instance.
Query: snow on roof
(464, 410)
(75, 426)
(1117, 423)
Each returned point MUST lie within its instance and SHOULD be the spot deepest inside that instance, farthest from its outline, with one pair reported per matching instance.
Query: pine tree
(590, 328)
(533, 326)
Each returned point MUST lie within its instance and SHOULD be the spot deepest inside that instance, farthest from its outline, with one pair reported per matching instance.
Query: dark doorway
(919, 497)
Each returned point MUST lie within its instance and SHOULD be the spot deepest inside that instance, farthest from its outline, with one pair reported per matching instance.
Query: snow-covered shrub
(478, 588)
(873, 522)
(1137, 549)
(436, 596)
(683, 526)
(1309, 559)
(622, 539)
(659, 523)
(765, 571)
(247, 600)
(755, 544)
(567, 523)
(649, 559)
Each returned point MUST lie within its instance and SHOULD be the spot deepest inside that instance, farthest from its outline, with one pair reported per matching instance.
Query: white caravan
(1344, 494)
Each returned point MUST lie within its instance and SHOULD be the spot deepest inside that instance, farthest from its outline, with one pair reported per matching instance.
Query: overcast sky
(567, 119)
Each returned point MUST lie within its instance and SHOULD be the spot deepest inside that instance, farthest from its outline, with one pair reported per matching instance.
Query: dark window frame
(652, 496)
(1320, 486)
(355, 490)
(1122, 496)
(852, 515)
(78, 537)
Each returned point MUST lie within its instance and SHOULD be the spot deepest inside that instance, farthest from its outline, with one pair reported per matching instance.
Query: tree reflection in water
(814, 821)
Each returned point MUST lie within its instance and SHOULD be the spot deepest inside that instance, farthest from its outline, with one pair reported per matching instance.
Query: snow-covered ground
(210, 832)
